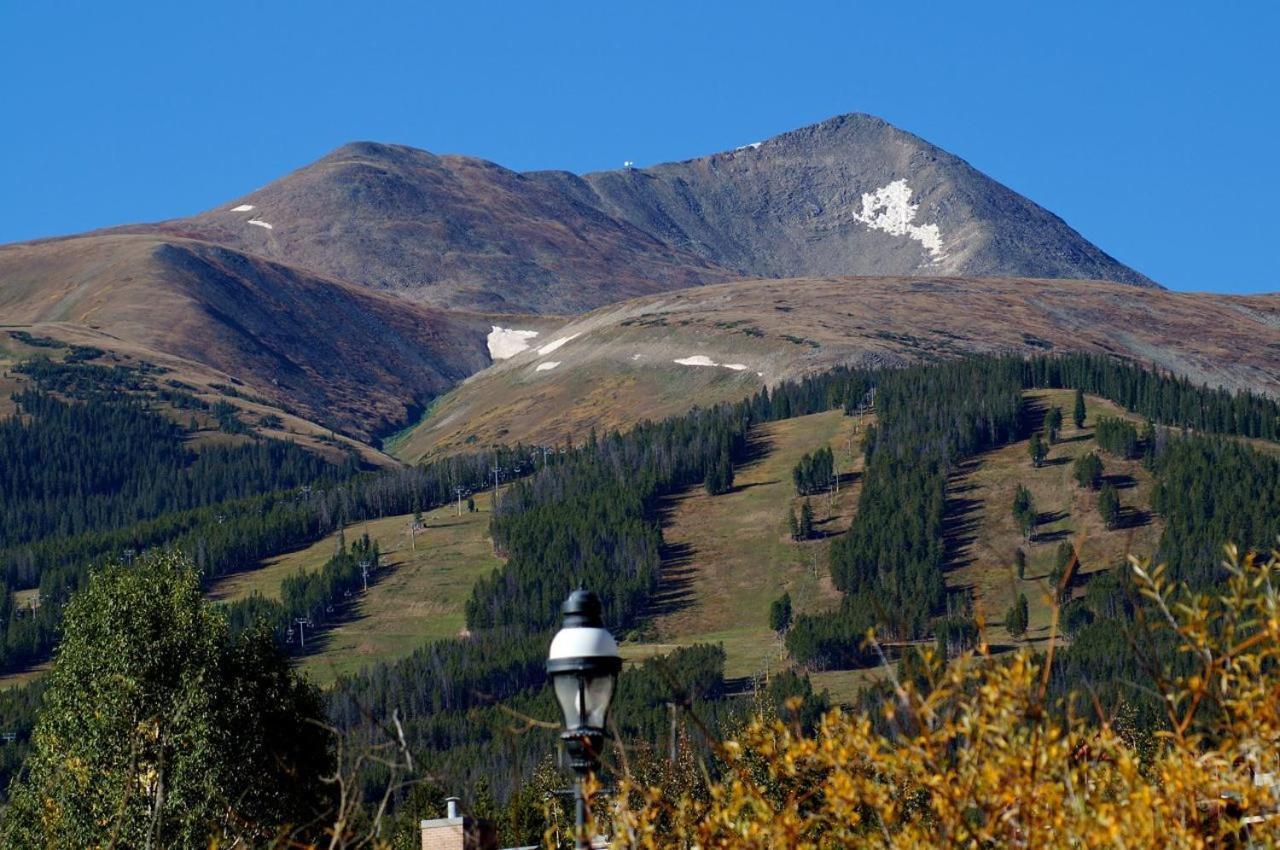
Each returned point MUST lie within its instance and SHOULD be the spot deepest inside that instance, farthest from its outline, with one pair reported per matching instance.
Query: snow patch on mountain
(556, 343)
(242, 208)
(257, 222)
(704, 360)
(548, 366)
(505, 343)
(696, 360)
(889, 208)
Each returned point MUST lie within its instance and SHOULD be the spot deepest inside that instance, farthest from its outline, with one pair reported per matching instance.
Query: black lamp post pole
(582, 746)
(580, 839)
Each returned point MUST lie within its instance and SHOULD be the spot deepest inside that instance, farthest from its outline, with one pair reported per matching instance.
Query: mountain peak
(850, 195)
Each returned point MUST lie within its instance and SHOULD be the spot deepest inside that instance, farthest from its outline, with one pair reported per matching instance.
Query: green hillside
(728, 557)
(417, 596)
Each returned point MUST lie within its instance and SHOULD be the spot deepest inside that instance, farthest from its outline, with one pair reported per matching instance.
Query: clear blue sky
(1150, 127)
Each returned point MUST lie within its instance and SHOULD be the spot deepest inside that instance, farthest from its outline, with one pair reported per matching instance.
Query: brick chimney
(456, 831)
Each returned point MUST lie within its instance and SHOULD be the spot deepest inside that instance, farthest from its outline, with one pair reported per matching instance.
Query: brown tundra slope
(663, 354)
(355, 360)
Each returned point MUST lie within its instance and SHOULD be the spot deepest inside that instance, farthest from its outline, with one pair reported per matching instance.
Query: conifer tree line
(457, 698)
(1174, 401)
(317, 597)
(592, 520)
(815, 472)
(889, 566)
(1209, 491)
(930, 417)
(1116, 436)
(225, 537)
(67, 468)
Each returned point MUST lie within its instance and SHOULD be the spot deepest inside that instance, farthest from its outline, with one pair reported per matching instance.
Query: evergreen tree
(780, 614)
(1062, 559)
(1088, 471)
(793, 524)
(1024, 512)
(806, 520)
(719, 475)
(1037, 449)
(1053, 423)
(1078, 409)
(1149, 440)
(1020, 563)
(815, 472)
(1016, 620)
(1116, 436)
(1109, 505)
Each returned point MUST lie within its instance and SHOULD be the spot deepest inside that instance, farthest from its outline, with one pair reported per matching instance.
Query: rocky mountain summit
(849, 196)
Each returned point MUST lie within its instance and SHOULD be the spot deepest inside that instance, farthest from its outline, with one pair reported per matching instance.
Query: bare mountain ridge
(359, 361)
(450, 231)
(852, 195)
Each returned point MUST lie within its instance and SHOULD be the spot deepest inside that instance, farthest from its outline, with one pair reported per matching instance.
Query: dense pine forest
(890, 565)
(590, 515)
(77, 467)
(91, 473)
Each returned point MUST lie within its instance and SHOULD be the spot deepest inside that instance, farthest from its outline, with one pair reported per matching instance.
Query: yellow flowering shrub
(983, 757)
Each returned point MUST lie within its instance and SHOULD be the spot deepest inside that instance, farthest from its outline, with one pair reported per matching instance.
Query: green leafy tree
(1109, 505)
(1053, 423)
(1020, 563)
(1078, 409)
(793, 524)
(160, 730)
(1037, 449)
(780, 614)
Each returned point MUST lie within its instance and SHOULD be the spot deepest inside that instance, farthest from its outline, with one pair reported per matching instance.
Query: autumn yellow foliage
(982, 756)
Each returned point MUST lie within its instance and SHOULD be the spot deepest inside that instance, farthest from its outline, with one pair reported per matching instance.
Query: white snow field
(704, 360)
(257, 222)
(556, 343)
(243, 208)
(548, 366)
(889, 208)
(505, 343)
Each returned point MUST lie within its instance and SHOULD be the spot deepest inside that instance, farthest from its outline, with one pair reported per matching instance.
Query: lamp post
(583, 666)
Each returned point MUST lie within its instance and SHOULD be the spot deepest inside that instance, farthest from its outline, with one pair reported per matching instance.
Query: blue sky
(1150, 127)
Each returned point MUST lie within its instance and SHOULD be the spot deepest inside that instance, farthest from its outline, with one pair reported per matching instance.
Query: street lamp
(583, 665)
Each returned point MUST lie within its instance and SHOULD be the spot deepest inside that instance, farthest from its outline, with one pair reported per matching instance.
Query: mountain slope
(447, 230)
(356, 360)
(852, 195)
(660, 355)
